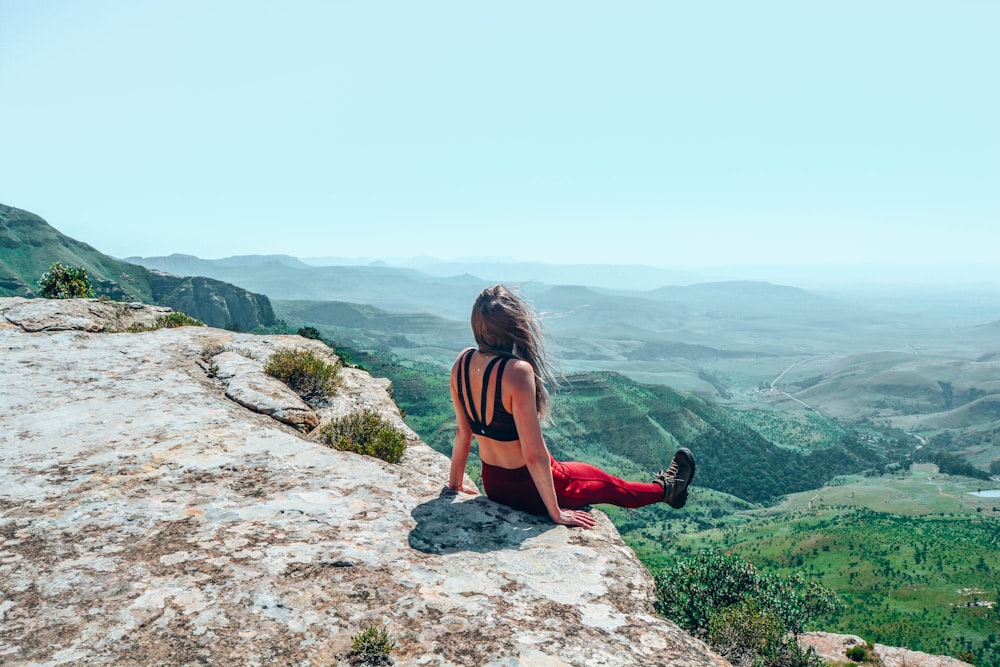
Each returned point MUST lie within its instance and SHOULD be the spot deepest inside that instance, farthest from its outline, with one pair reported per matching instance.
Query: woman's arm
(519, 380)
(463, 441)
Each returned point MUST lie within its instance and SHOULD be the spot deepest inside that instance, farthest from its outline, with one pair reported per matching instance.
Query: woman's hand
(575, 518)
(465, 488)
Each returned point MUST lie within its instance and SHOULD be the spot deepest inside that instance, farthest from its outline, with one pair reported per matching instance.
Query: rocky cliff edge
(161, 504)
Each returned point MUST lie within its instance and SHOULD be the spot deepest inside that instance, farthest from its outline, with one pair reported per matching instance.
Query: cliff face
(152, 513)
(212, 301)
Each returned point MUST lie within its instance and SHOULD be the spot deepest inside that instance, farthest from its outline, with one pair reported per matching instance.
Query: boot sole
(682, 497)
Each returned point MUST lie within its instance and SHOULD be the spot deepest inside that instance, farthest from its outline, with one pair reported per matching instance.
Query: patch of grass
(168, 321)
(365, 432)
(372, 646)
(210, 350)
(177, 319)
(306, 373)
(243, 352)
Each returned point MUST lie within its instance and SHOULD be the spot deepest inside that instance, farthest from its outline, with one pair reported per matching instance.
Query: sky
(665, 133)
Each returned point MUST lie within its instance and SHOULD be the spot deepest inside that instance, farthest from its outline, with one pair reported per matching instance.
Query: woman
(499, 395)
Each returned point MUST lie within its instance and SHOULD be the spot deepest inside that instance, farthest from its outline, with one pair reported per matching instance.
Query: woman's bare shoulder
(459, 357)
(520, 372)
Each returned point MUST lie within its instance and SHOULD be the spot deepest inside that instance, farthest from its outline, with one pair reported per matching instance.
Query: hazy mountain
(390, 288)
(612, 276)
(186, 265)
(29, 246)
(567, 306)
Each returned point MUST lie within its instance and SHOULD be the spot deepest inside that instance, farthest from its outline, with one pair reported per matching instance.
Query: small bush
(857, 653)
(66, 282)
(366, 433)
(743, 632)
(307, 374)
(372, 646)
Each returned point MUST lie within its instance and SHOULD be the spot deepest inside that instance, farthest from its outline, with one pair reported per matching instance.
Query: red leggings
(577, 485)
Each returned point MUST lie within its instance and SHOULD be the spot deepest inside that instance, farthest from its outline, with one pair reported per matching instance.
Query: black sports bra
(502, 426)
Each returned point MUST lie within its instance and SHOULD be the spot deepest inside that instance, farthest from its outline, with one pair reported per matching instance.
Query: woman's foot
(676, 478)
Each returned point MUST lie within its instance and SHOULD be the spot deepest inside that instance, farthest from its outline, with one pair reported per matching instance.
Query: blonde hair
(505, 324)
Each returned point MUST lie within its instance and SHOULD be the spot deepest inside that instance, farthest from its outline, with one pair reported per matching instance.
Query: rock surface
(147, 519)
(834, 647)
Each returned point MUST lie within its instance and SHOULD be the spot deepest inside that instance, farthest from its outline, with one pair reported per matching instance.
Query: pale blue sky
(665, 133)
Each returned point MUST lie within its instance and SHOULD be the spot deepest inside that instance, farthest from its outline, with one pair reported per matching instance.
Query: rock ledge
(147, 519)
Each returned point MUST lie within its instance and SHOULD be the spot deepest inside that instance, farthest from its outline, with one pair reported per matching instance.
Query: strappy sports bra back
(501, 426)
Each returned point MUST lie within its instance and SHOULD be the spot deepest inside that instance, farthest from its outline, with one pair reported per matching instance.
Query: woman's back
(487, 386)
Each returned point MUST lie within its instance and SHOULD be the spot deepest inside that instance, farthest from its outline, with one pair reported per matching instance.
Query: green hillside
(29, 246)
(912, 556)
(646, 423)
(952, 403)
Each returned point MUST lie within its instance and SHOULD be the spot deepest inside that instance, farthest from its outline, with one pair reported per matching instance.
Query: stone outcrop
(89, 315)
(148, 519)
(248, 385)
(214, 302)
(834, 647)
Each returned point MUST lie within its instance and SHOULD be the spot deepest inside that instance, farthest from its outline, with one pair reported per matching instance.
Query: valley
(912, 556)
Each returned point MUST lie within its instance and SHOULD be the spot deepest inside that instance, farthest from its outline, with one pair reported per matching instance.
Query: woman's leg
(579, 484)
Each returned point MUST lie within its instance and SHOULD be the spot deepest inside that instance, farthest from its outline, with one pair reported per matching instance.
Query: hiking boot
(676, 478)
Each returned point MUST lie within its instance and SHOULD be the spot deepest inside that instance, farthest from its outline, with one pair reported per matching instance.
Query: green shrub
(372, 646)
(857, 653)
(66, 282)
(309, 375)
(725, 598)
(743, 632)
(366, 433)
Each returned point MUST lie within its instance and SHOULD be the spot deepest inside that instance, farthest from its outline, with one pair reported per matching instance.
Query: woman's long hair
(504, 323)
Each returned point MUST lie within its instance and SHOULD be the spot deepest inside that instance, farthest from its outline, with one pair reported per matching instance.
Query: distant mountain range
(282, 277)
(567, 306)
(29, 246)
